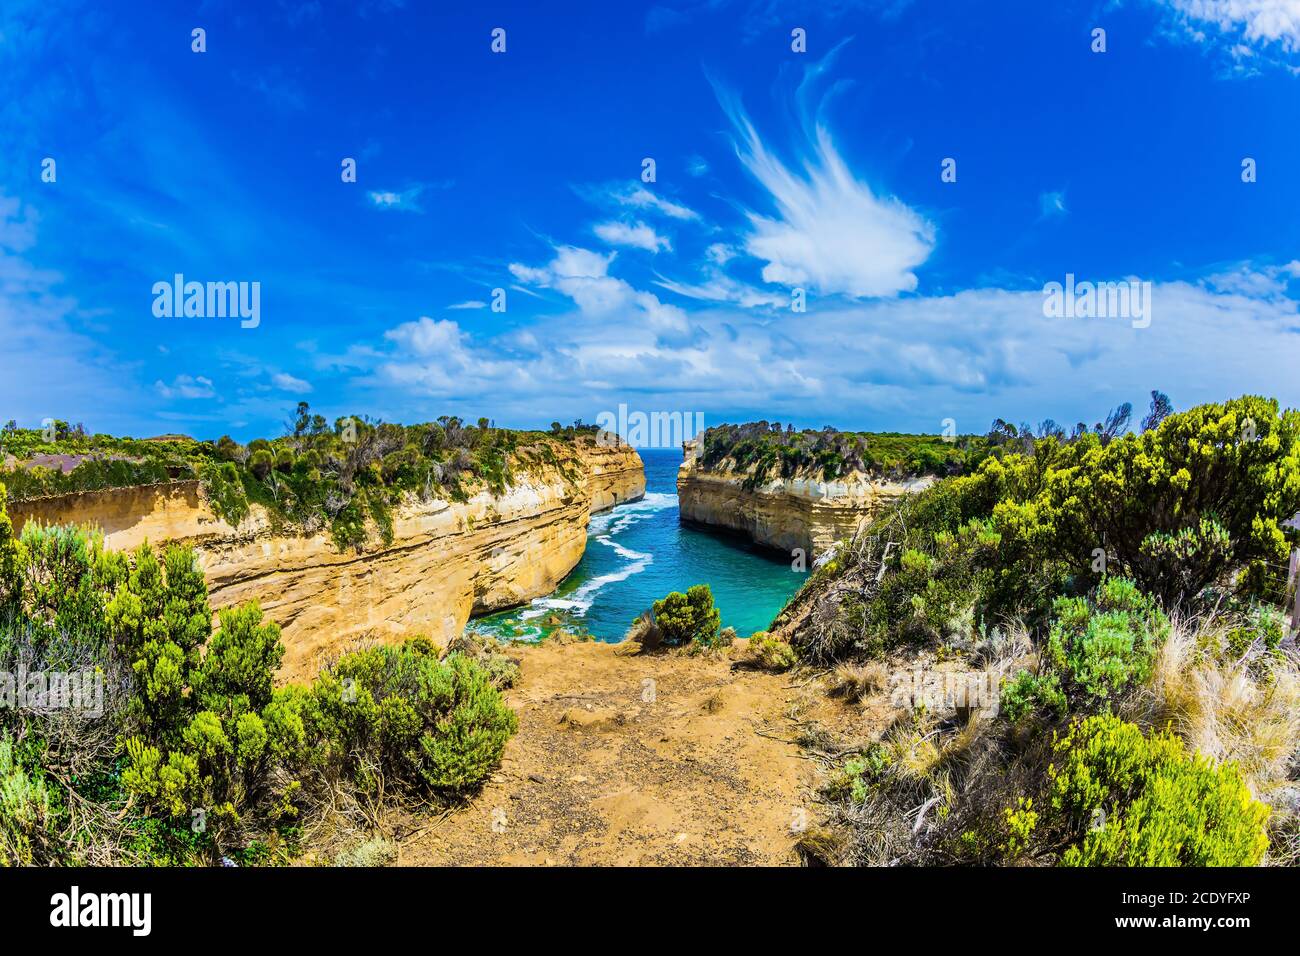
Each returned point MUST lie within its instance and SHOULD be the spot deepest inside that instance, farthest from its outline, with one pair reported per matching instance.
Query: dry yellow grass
(854, 682)
(1223, 709)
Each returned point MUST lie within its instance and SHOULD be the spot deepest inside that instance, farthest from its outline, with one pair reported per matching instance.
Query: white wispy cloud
(831, 232)
(289, 383)
(468, 304)
(1255, 21)
(636, 234)
(641, 197)
(186, 386)
(1051, 204)
(404, 200)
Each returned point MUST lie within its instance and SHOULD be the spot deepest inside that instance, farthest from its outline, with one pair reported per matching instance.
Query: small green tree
(260, 463)
(683, 618)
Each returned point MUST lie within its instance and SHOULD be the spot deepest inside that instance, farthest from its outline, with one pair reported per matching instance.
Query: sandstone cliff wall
(785, 513)
(447, 561)
(615, 475)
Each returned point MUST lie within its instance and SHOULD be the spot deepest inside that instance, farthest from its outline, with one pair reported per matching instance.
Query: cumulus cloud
(435, 357)
(904, 362)
(637, 235)
(584, 277)
(831, 232)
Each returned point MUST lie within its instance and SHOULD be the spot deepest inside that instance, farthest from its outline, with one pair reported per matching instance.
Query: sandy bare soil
(657, 759)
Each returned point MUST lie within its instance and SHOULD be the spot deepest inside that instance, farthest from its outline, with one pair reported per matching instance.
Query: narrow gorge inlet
(638, 552)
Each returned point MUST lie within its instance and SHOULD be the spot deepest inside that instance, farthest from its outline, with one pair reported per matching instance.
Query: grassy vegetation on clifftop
(346, 477)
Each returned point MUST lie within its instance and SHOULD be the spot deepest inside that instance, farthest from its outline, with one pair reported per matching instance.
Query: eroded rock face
(447, 560)
(785, 513)
(615, 475)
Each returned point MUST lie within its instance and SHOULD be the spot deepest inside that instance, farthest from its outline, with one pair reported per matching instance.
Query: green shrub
(26, 809)
(1021, 820)
(1258, 638)
(229, 743)
(239, 663)
(771, 652)
(1123, 799)
(501, 671)
(1032, 694)
(225, 492)
(193, 725)
(260, 463)
(10, 575)
(438, 724)
(722, 639)
(1102, 647)
(158, 619)
(683, 618)
(859, 774)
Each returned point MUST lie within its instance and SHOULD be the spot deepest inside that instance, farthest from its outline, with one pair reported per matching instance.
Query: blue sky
(521, 171)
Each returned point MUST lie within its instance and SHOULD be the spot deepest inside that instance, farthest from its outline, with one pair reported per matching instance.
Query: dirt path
(633, 760)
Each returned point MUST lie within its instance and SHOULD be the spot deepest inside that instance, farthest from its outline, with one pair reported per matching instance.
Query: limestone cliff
(786, 513)
(615, 474)
(447, 560)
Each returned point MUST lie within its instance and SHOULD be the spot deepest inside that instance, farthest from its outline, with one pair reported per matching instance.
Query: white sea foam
(624, 516)
(602, 529)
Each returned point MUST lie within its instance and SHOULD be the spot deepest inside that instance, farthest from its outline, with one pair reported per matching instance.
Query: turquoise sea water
(639, 552)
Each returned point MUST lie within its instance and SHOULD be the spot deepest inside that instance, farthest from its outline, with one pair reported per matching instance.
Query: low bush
(770, 652)
(1100, 647)
(376, 851)
(1124, 799)
(27, 813)
(1189, 510)
(400, 712)
(1030, 694)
